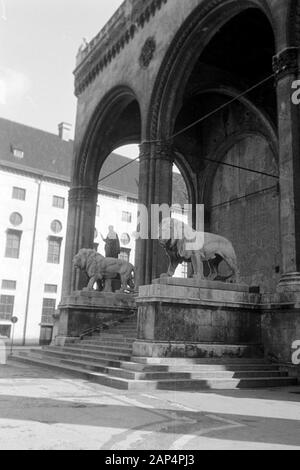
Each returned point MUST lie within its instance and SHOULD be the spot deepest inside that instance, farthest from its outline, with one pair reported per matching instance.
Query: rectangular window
(9, 285)
(19, 193)
(13, 242)
(58, 202)
(125, 254)
(48, 310)
(50, 288)
(5, 331)
(98, 211)
(184, 270)
(126, 217)
(18, 153)
(54, 245)
(6, 307)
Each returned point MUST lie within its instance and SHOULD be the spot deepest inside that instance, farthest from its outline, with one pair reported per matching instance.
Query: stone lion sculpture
(98, 269)
(183, 244)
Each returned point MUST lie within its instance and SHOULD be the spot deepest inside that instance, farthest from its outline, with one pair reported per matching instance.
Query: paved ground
(47, 410)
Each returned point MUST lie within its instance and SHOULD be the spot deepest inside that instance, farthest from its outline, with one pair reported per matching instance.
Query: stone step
(82, 373)
(191, 360)
(97, 353)
(115, 336)
(98, 347)
(116, 344)
(234, 367)
(169, 384)
(103, 362)
(130, 375)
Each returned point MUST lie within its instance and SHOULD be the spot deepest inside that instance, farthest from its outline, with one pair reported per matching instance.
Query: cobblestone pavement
(43, 409)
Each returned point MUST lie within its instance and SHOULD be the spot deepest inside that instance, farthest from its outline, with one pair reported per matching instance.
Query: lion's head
(80, 260)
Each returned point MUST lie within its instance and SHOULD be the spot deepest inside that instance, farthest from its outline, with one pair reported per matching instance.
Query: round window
(16, 219)
(125, 239)
(56, 226)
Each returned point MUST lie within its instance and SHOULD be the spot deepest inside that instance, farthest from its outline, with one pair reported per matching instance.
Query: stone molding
(286, 63)
(102, 54)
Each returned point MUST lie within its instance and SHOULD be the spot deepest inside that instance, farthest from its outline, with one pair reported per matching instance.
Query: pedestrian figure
(112, 243)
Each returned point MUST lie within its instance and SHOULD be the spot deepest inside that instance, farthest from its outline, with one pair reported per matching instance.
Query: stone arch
(104, 134)
(199, 28)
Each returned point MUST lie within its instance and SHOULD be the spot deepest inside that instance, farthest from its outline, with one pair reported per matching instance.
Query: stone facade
(204, 64)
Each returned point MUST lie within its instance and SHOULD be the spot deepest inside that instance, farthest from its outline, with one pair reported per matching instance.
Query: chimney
(64, 130)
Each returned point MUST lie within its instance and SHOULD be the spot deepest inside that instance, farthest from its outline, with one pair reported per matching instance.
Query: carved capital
(82, 194)
(164, 151)
(286, 63)
(145, 151)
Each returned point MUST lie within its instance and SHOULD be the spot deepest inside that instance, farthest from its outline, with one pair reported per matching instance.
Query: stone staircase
(107, 359)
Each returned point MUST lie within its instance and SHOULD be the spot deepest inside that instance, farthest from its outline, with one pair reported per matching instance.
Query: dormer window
(18, 153)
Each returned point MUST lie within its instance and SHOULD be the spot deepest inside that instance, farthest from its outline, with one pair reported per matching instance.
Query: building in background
(35, 169)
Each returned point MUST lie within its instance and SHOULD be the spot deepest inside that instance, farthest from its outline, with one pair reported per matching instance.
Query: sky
(39, 40)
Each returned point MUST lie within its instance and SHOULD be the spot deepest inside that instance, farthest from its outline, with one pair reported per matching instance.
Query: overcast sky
(39, 40)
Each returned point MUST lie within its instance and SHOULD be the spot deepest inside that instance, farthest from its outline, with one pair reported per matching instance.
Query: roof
(48, 154)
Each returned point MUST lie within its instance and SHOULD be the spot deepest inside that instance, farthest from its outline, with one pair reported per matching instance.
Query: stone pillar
(142, 243)
(286, 69)
(155, 187)
(80, 232)
(163, 158)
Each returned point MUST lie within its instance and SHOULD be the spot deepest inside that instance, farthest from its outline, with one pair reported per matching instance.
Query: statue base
(184, 317)
(84, 310)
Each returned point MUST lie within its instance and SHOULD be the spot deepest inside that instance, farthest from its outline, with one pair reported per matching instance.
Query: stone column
(80, 233)
(155, 187)
(286, 69)
(163, 158)
(143, 220)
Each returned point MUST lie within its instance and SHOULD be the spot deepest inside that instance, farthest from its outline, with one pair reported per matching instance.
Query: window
(125, 254)
(18, 153)
(50, 288)
(46, 335)
(9, 285)
(15, 219)
(184, 270)
(56, 226)
(58, 202)
(5, 331)
(126, 217)
(13, 242)
(125, 239)
(6, 307)
(19, 193)
(48, 310)
(98, 211)
(54, 245)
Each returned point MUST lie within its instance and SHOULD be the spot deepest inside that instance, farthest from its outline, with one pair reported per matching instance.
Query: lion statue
(183, 244)
(99, 269)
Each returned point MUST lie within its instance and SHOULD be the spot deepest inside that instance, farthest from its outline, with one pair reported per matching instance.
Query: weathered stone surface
(203, 284)
(170, 314)
(193, 350)
(86, 309)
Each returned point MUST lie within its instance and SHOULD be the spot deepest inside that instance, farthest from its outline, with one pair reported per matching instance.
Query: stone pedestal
(186, 317)
(83, 310)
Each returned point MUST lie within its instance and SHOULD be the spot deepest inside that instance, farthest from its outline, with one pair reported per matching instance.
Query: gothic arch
(199, 28)
(103, 134)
